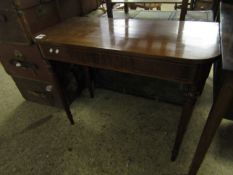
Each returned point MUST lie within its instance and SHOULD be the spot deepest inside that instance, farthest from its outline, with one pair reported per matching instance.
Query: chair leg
(175, 6)
(184, 121)
(109, 8)
(89, 81)
(126, 8)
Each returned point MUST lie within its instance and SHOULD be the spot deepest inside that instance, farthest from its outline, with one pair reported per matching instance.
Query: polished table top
(227, 35)
(172, 40)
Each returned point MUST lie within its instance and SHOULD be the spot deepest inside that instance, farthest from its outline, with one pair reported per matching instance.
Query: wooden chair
(183, 14)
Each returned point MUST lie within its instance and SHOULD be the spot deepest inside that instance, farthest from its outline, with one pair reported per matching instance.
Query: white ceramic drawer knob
(18, 64)
(49, 88)
(50, 50)
(57, 51)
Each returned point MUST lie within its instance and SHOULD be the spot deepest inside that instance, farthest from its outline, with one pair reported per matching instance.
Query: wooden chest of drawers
(21, 19)
(35, 78)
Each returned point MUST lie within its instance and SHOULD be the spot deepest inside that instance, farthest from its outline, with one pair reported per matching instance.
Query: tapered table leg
(218, 110)
(89, 81)
(187, 110)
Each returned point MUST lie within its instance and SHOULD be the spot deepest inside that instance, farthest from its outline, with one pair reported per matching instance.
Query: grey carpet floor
(114, 134)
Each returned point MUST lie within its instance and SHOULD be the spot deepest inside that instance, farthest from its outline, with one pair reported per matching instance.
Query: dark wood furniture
(20, 57)
(224, 99)
(110, 3)
(172, 51)
(35, 77)
(18, 19)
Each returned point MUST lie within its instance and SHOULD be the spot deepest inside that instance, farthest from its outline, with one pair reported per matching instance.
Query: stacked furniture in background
(197, 12)
(20, 20)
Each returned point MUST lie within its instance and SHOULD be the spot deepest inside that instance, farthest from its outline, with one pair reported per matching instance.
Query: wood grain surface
(173, 40)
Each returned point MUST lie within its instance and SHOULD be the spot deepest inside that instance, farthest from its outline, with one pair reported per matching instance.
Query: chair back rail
(184, 6)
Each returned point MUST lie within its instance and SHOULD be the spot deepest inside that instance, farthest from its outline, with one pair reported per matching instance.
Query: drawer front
(39, 92)
(151, 67)
(25, 61)
(11, 30)
(6, 4)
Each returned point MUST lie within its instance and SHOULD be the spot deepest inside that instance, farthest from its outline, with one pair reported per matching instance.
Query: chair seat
(119, 14)
(164, 15)
(205, 15)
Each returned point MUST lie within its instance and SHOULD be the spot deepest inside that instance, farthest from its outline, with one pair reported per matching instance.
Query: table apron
(146, 66)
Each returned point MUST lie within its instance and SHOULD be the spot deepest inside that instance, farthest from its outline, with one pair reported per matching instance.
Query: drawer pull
(37, 94)
(50, 50)
(18, 64)
(57, 51)
(49, 88)
(23, 64)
